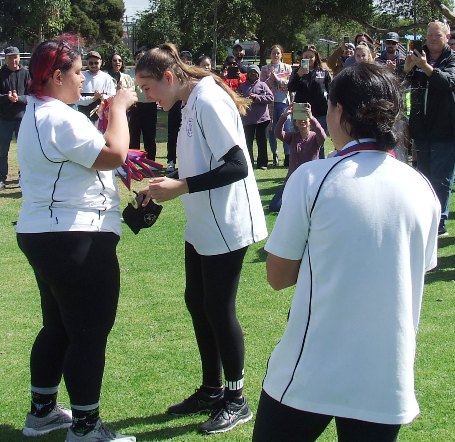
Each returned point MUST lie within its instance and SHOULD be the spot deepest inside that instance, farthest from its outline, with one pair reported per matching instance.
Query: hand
(302, 71)
(125, 98)
(420, 58)
(12, 96)
(252, 97)
(409, 62)
(163, 189)
(97, 95)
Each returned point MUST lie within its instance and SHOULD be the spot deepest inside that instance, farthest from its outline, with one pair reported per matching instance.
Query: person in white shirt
(68, 228)
(224, 216)
(97, 86)
(355, 235)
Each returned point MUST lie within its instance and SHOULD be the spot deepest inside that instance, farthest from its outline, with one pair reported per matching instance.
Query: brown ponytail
(165, 57)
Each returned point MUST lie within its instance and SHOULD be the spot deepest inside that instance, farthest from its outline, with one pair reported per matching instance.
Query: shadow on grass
(10, 434)
(164, 433)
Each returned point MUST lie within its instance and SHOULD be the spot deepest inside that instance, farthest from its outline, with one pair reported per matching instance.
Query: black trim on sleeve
(234, 169)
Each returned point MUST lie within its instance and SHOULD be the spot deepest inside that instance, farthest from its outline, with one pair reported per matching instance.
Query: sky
(134, 6)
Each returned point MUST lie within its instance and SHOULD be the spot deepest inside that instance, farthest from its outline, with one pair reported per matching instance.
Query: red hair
(47, 57)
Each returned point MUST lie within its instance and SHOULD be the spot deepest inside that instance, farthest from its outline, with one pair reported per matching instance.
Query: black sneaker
(442, 232)
(227, 416)
(198, 402)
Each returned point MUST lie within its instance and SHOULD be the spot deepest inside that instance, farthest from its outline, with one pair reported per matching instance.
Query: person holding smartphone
(305, 141)
(231, 74)
(431, 73)
(311, 85)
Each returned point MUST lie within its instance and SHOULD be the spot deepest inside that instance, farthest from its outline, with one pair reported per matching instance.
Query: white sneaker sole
(225, 430)
(31, 432)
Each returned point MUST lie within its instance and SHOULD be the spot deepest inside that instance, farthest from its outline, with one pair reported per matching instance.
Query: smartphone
(232, 72)
(417, 46)
(300, 111)
(346, 39)
(305, 64)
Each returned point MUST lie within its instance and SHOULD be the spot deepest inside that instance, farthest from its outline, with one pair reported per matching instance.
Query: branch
(445, 11)
(375, 29)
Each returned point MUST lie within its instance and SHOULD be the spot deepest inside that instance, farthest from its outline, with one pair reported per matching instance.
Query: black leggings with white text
(79, 281)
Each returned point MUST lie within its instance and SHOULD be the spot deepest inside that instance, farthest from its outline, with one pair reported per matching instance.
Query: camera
(232, 72)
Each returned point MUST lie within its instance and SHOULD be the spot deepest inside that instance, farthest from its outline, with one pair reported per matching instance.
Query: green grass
(152, 359)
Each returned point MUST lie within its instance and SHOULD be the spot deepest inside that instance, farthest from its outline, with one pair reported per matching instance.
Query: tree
(34, 20)
(98, 21)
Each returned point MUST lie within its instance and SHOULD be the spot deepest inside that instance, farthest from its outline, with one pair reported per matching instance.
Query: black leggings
(79, 280)
(210, 295)
(276, 422)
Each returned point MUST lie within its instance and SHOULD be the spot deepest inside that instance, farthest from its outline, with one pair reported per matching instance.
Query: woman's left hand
(163, 189)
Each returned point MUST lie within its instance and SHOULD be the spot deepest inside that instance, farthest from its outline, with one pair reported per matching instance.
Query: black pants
(143, 118)
(79, 280)
(174, 119)
(276, 422)
(210, 295)
(261, 140)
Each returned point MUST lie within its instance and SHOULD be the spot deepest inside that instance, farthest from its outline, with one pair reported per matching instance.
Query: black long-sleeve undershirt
(234, 169)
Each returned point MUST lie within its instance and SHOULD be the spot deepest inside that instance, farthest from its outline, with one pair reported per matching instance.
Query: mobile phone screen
(232, 72)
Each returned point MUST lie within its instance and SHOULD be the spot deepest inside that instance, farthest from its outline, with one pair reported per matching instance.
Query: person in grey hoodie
(257, 119)
(13, 90)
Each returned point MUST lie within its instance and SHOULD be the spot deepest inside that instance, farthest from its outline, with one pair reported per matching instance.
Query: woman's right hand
(124, 98)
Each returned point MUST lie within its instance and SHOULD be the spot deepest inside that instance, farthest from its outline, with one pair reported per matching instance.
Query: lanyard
(362, 146)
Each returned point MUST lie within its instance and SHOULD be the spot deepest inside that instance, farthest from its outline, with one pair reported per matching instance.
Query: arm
(279, 132)
(117, 135)
(333, 60)
(234, 169)
(281, 272)
(265, 95)
(318, 130)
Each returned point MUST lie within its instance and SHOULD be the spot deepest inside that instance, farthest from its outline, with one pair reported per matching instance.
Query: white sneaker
(100, 433)
(170, 166)
(2, 185)
(57, 419)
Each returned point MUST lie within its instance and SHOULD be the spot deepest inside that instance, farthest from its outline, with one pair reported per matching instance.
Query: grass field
(152, 359)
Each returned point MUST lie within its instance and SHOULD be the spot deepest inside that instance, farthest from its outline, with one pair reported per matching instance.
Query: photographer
(231, 74)
(431, 73)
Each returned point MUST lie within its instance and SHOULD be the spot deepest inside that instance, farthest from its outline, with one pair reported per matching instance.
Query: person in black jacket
(312, 86)
(432, 117)
(13, 91)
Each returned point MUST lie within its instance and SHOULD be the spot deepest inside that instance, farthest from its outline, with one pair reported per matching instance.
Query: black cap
(12, 50)
(392, 36)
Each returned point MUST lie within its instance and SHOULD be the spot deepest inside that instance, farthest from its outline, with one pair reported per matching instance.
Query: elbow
(277, 284)
(109, 160)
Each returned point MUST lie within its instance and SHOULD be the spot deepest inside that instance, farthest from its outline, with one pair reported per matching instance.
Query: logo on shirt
(189, 127)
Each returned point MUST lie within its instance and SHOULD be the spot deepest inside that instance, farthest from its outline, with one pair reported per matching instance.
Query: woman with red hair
(68, 228)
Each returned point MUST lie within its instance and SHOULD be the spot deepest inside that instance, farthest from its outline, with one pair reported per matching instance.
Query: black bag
(137, 217)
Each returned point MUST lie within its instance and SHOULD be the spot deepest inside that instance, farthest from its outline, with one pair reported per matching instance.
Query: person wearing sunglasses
(97, 86)
(391, 56)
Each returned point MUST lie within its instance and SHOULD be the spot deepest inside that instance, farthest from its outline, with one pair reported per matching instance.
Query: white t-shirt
(101, 82)
(229, 217)
(349, 346)
(56, 149)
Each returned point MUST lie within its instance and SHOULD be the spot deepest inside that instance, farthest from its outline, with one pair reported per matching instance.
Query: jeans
(436, 160)
(322, 120)
(278, 109)
(7, 129)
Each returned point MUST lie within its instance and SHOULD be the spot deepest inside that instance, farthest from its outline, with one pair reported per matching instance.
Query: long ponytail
(165, 57)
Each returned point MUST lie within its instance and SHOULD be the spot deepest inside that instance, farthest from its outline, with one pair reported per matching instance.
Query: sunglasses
(388, 42)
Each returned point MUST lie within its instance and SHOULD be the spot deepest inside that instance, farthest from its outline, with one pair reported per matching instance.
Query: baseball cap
(93, 54)
(392, 36)
(11, 50)
(253, 67)
(239, 46)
